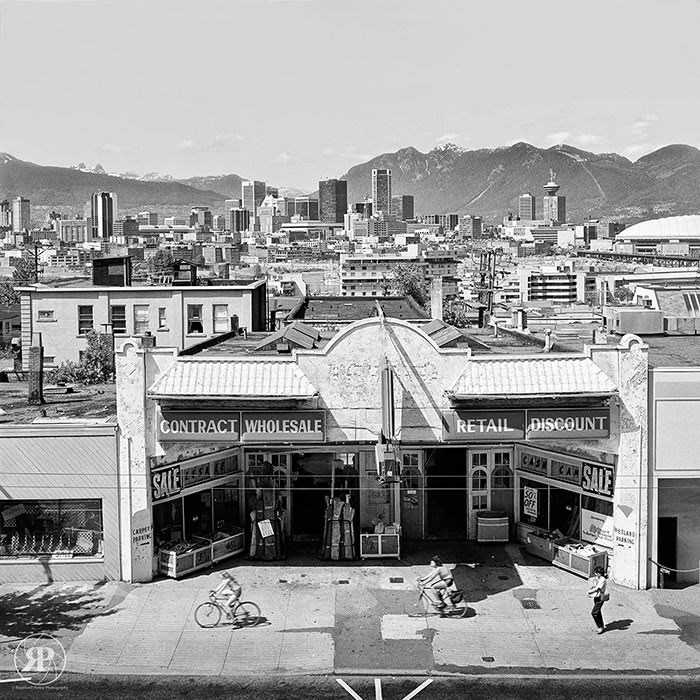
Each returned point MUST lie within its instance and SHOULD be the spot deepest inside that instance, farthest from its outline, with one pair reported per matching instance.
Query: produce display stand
(578, 558)
(540, 543)
(199, 553)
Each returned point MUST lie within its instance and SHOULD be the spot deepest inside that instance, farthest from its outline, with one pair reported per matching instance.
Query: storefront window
(479, 480)
(54, 528)
(226, 509)
(534, 503)
(167, 522)
(565, 512)
(197, 507)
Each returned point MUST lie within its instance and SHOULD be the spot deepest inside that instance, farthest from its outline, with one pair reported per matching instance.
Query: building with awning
(550, 440)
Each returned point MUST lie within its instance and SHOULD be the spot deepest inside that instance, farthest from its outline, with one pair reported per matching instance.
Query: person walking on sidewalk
(597, 589)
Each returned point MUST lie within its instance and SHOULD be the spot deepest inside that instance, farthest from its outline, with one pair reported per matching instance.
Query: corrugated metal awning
(531, 377)
(230, 378)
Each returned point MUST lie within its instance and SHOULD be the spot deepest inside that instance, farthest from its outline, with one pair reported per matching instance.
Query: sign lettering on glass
(598, 479)
(565, 471)
(530, 501)
(165, 483)
(197, 474)
(533, 463)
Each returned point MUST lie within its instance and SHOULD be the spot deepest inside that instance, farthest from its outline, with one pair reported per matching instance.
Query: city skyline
(625, 98)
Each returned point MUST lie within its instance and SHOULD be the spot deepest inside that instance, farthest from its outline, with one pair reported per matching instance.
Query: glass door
(479, 493)
(490, 484)
(412, 495)
(280, 481)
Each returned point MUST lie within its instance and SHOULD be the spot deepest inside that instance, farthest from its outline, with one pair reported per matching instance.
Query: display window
(167, 522)
(64, 528)
(565, 511)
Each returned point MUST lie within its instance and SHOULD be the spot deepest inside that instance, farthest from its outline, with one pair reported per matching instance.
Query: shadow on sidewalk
(44, 610)
(618, 625)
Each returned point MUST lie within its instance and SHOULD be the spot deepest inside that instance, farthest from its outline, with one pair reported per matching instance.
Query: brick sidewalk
(342, 618)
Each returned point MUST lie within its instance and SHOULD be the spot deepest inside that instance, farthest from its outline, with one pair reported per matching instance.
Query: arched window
(479, 480)
(502, 478)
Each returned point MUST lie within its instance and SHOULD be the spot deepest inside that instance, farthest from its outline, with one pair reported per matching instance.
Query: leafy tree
(24, 272)
(162, 261)
(95, 367)
(8, 294)
(454, 313)
(407, 279)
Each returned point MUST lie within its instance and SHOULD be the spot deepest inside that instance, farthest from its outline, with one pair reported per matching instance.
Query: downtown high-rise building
(381, 191)
(252, 193)
(403, 207)
(5, 215)
(553, 204)
(103, 213)
(332, 200)
(527, 207)
(306, 208)
(201, 218)
(238, 220)
(21, 217)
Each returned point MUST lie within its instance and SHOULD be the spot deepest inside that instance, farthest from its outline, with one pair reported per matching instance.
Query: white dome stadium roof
(672, 227)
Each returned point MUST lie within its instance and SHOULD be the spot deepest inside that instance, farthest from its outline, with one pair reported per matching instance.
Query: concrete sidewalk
(343, 619)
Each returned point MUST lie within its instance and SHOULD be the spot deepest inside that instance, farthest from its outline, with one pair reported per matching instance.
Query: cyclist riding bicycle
(229, 584)
(440, 579)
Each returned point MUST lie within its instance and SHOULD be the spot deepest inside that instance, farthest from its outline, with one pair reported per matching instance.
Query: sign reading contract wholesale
(241, 426)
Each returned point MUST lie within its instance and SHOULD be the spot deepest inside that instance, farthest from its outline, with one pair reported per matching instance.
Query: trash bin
(492, 526)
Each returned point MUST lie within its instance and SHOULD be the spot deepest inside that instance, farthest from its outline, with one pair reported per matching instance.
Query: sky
(293, 91)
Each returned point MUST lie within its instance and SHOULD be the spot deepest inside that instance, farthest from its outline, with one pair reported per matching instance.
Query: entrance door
(667, 545)
(412, 495)
(281, 480)
(445, 495)
(490, 484)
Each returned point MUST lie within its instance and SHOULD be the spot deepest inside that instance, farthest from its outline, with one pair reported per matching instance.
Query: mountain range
(446, 179)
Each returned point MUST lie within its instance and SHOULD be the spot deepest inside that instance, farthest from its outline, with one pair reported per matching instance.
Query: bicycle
(243, 613)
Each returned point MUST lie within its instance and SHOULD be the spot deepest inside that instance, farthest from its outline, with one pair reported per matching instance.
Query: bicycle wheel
(246, 614)
(207, 614)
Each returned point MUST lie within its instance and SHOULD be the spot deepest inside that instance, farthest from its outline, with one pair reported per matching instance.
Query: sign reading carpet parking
(237, 426)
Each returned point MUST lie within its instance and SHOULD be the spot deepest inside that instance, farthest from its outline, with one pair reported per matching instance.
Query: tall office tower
(200, 217)
(470, 226)
(20, 215)
(332, 200)
(238, 220)
(381, 191)
(5, 215)
(306, 208)
(402, 206)
(103, 212)
(527, 207)
(232, 204)
(553, 205)
(218, 222)
(252, 194)
(147, 218)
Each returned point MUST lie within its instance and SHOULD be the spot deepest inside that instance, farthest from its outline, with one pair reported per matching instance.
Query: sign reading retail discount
(468, 426)
(529, 501)
(578, 423)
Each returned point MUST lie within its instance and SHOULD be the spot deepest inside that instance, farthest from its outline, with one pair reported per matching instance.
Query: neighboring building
(10, 325)
(381, 190)
(252, 194)
(180, 316)
(556, 284)
(333, 200)
(403, 207)
(5, 215)
(448, 222)
(148, 218)
(218, 222)
(553, 205)
(103, 212)
(306, 207)
(128, 227)
(21, 215)
(73, 230)
(239, 220)
(201, 218)
(527, 207)
(176, 221)
(470, 226)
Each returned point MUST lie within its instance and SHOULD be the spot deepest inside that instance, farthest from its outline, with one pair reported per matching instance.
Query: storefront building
(387, 431)
(58, 502)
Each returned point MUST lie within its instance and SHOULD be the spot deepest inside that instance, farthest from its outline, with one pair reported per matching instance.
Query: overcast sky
(291, 91)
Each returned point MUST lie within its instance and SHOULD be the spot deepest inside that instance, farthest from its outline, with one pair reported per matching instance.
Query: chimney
(148, 340)
(548, 340)
(521, 324)
(436, 298)
(36, 371)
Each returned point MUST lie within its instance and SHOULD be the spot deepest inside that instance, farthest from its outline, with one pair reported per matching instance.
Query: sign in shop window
(598, 479)
(530, 501)
(565, 471)
(534, 463)
(191, 476)
(165, 483)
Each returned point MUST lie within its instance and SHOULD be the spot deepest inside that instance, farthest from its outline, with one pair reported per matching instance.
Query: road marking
(378, 689)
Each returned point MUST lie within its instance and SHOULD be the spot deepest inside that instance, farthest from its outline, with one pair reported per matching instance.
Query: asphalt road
(365, 688)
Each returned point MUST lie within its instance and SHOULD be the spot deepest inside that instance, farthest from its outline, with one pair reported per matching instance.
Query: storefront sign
(198, 426)
(533, 463)
(165, 483)
(283, 426)
(597, 479)
(474, 426)
(597, 528)
(190, 476)
(530, 501)
(568, 424)
(565, 471)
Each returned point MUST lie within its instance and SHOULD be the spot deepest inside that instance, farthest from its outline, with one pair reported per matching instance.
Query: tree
(162, 261)
(407, 280)
(25, 271)
(454, 313)
(8, 294)
(95, 367)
